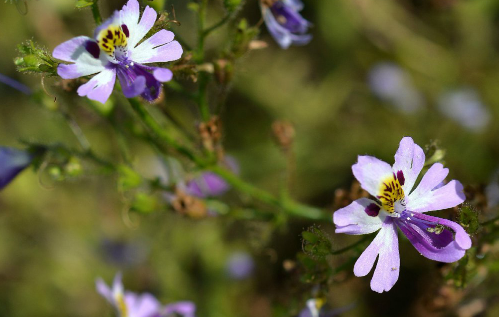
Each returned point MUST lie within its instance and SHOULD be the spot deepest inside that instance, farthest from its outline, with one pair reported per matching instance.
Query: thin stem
(204, 107)
(160, 137)
(77, 131)
(289, 206)
(96, 12)
(364, 239)
(212, 28)
(490, 221)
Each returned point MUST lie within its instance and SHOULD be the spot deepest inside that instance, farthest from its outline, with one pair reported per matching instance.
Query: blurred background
(373, 73)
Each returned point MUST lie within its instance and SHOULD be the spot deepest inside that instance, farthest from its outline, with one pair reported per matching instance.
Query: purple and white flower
(284, 22)
(12, 162)
(115, 51)
(397, 204)
(128, 304)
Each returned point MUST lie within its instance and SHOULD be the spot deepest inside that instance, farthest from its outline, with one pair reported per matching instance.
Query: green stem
(204, 107)
(212, 28)
(96, 12)
(364, 239)
(160, 136)
(489, 222)
(289, 206)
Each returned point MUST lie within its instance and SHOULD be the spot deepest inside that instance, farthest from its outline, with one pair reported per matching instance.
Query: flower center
(391, 194)
(113, 40)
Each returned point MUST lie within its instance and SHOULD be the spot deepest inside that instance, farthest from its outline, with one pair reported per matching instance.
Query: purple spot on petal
(401, 178)
(125, 30)
(372, 210)
(93, 48)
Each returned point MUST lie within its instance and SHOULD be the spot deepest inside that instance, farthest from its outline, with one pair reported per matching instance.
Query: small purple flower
(12, 162)
(284, 22)
(398, 205)
(128, 304)
(390, 83)
(115, 50)
(209, 184)
(240, 265)
(465, 107)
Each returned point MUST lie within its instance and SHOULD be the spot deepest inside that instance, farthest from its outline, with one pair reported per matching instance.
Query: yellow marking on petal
(390, 192)
(110, 38)
(122, 308)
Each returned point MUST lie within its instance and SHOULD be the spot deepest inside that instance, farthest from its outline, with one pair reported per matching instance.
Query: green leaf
(128, 178)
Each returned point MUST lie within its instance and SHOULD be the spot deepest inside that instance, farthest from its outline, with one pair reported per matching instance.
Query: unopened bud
(210, 132)
(189, 205)
(223, 71)
(284, 133)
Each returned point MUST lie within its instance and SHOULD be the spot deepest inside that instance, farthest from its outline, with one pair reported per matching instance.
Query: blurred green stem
(353, 245)
(96, 12)
(159, 134)
(289, 206)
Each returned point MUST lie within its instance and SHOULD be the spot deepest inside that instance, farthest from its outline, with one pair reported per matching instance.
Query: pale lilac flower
(115, 50)
(393, 85)
(465, 107)
(240, 265)
(396, 204)
(128, 304)
(210, 184)
(316, 308)
(12, 162)
(284, 22)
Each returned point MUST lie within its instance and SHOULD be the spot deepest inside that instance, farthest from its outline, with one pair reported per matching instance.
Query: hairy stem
(96, 12)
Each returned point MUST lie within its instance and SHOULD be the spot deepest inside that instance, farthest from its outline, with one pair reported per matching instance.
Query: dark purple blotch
(372, 210)
(125, 30)
(401, 178)
(93, 48)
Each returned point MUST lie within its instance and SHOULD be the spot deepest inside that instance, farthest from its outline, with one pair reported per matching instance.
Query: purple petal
(162, 54)
(145, 50)
(429, 195)
(387, 270)
(447, 244)
(371, 172)
(410, 160)
(75, 51)
(12, 162)
(353, 218)
(162, 74)
(283, 36)
(100, 87)
(104, 290)
(185, 309)
(209, 184)
(144, 305)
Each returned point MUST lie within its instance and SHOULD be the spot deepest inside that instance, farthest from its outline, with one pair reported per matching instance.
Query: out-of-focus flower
(128, 304)
(465, 107)
(316, 308)
(15, 84)
(114, 51)
(492, 191)
(240, 265)
(397, 205)
(123, 253)
(209, 184)
(12, 162)
(393, 85)
(284, 22)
